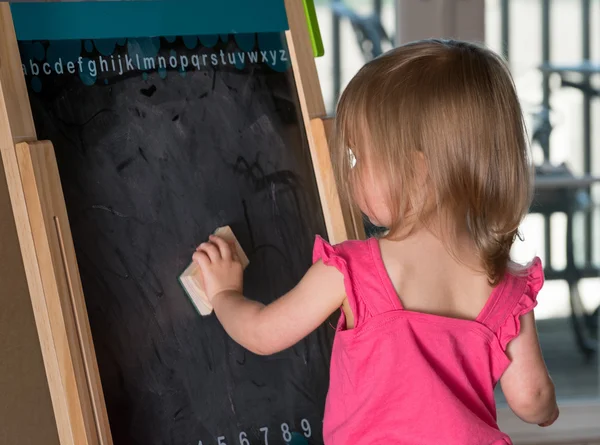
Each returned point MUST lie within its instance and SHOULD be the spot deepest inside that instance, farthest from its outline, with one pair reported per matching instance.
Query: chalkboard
(159, 141)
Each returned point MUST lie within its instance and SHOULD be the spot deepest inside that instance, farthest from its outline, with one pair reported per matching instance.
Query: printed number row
(285, 431)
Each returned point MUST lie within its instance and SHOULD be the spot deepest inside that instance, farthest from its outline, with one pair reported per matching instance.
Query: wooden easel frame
(342, 223)
(47, 246)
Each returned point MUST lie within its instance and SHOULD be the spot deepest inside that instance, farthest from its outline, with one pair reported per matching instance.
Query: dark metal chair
(559, 191)
(566, 193)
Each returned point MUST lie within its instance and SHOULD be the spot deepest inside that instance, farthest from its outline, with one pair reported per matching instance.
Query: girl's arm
(268, 329)
(526, 384)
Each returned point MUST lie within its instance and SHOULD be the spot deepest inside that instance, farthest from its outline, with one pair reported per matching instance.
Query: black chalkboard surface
(158, 142)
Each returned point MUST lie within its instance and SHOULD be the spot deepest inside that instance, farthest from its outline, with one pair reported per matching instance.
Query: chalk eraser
(191, 279)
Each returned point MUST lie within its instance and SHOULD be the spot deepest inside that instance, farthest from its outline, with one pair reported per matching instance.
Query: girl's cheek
(377, 201)
(360, 200)
(368, 197)
(381, 216)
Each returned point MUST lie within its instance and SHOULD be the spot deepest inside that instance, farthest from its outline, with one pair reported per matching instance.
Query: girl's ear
(351, 158)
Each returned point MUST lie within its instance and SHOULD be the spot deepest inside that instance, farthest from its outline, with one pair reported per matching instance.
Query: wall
(458, 19)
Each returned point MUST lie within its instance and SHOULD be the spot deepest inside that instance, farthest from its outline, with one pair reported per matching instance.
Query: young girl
(430, 143)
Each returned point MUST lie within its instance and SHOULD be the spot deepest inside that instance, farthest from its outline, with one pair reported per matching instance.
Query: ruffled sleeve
(327, 253)
(524, 303)
(340, 257)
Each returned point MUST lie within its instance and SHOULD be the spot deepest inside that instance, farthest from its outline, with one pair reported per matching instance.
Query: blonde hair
(455, 103)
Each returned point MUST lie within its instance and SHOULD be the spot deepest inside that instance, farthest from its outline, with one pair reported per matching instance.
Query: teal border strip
(116, 19)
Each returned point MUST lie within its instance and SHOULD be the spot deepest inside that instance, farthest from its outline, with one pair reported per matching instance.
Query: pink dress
(410, 378)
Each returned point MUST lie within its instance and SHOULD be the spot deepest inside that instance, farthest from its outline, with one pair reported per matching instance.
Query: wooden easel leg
(62, 302)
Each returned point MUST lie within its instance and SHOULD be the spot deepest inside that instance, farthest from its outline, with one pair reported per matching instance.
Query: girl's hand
(220, 267)
(552, 418)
